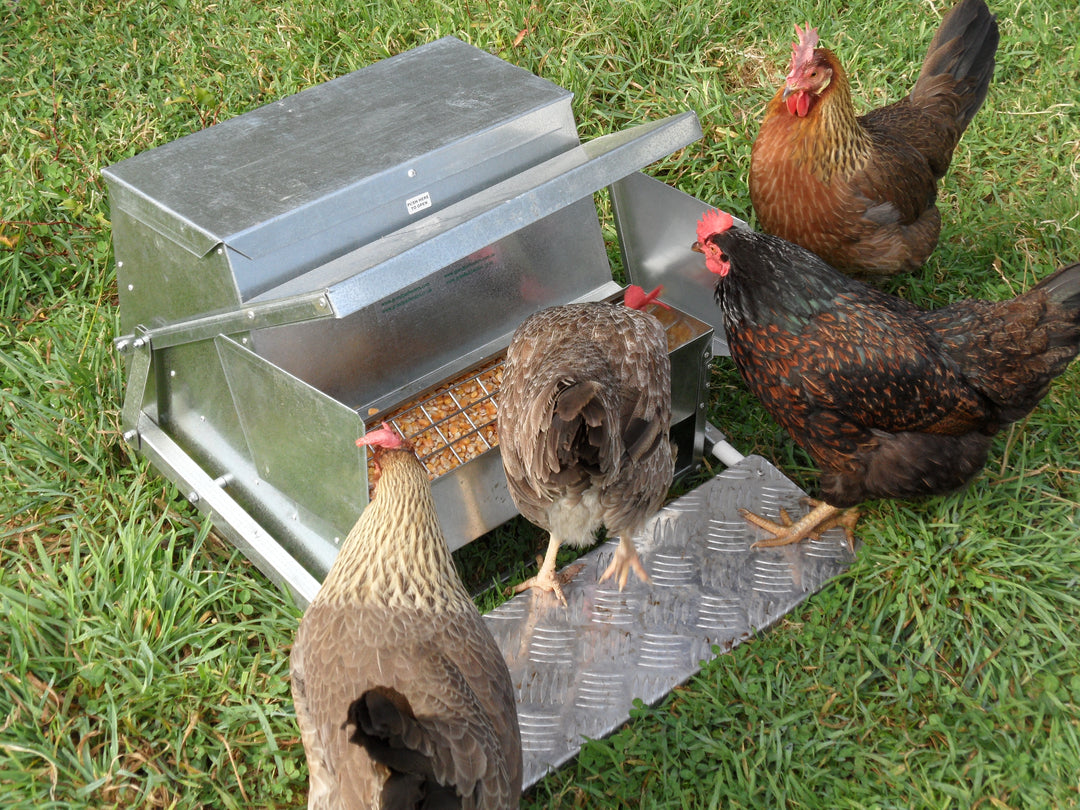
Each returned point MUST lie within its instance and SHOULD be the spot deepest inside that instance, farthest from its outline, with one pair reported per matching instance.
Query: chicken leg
(821, 518)
(624, 561)
(547, 579)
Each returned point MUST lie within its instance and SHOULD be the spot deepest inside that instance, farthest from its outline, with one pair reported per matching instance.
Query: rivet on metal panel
(193, 496)
(123, 345)
(220, 251)
(129, 435)
(244, 341)
(412, 172)
(322, 302)
(172, 372)
(131, 287)
(138, 343)
(251, 314)
(119, 264)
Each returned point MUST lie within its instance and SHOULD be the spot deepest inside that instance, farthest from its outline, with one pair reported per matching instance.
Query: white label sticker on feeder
(418, 203)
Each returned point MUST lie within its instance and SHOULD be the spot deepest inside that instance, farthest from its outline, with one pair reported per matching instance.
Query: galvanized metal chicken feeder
(362, 251)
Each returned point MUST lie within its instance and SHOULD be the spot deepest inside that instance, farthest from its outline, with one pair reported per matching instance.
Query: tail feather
(959, 63)
(385, 726)
(1062, 287)
(1012, 350)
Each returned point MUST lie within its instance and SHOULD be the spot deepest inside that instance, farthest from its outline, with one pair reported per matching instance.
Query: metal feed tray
(363, 251)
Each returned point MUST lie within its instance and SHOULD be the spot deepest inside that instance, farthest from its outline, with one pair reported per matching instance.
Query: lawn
(144, 663)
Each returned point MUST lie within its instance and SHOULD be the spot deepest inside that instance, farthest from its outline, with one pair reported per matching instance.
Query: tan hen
(402, 697)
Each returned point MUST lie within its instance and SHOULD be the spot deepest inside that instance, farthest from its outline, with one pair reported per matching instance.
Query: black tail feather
(384, 724)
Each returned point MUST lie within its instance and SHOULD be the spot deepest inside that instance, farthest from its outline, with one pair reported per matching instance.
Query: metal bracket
(138, 377)
(294, 309)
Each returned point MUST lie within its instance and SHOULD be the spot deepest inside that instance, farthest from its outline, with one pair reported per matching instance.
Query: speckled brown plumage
(393, 666)
(891, 401)
(584, 418)
(860, 191)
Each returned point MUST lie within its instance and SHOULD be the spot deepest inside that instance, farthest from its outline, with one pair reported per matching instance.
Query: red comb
(713, 222)
(635, 297)
(380, 437)
(803, 50)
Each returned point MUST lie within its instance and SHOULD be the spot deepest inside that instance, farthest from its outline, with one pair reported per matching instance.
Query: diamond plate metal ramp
(577, 670)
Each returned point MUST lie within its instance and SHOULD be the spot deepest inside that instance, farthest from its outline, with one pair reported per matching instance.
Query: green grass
(143, 662)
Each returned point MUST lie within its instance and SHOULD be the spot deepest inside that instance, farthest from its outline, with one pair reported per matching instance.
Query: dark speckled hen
(584, 422)
(860, 191)
(891, 401)
(402, 696)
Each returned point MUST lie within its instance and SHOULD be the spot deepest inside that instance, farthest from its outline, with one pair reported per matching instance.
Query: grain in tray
(459, 415)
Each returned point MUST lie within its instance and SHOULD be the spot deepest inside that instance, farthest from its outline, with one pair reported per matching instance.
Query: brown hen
(860, 191)
(584, 422)
(891, 401)
(402, 697)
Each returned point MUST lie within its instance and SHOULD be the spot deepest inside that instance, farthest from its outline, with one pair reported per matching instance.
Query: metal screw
(138, 343)
(251, 314)
(193, 497)
(129, 435)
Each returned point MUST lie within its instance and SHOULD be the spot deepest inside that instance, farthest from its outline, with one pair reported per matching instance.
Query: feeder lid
(228, 182)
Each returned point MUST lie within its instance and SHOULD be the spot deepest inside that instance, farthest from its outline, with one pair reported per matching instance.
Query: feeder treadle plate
(578, 669)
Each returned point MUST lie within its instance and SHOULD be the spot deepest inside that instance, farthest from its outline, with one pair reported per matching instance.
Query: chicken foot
(547, 579)
(820, 519)
(624, 561)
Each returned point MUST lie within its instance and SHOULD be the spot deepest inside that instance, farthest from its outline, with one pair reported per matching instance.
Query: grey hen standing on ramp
(584, 422)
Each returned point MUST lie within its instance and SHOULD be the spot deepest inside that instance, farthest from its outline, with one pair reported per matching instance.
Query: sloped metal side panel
(578, 670)
(657, 224)
(302, 442)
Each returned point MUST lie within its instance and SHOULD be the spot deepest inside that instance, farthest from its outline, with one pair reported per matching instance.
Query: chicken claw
(547, 579)
(626, 559)
(820, 519)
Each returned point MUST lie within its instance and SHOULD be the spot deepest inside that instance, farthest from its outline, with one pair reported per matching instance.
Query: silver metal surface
(297, 182)
(656, 247)
(578, 670)
(408, 330)
(425, 246)
(299, 441)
